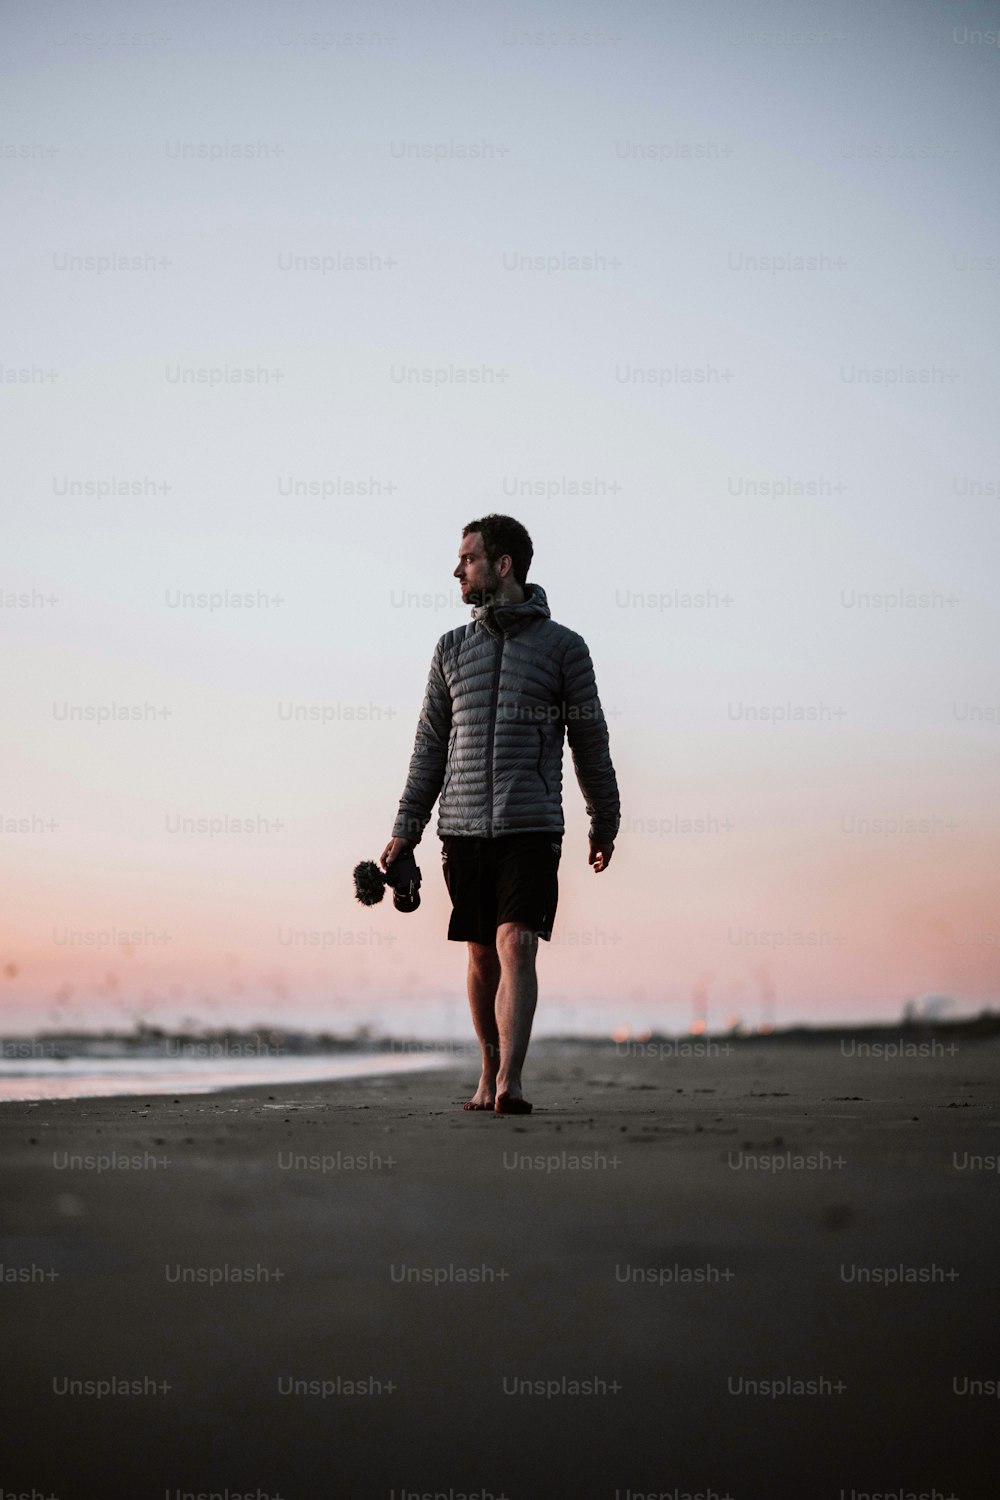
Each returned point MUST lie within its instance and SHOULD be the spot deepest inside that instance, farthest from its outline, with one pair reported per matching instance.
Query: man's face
(478, 581)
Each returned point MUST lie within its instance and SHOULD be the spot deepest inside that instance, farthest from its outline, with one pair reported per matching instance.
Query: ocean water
(107, 1077)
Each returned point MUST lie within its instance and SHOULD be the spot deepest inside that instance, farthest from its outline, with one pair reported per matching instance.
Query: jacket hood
(507, 619)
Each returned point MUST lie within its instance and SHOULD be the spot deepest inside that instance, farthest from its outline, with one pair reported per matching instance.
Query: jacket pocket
(448, 767)
(541, 757)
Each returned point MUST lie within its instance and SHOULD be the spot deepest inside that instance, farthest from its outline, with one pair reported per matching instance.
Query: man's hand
(393, 849)
(600, 856)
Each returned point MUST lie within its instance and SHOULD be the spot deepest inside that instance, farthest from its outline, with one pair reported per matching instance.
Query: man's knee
(516, 944)
(484, 955)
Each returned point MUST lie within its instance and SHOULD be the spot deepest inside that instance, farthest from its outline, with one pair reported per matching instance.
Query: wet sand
(763, 1274)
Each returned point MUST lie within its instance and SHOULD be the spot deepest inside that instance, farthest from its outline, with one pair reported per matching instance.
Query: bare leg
(516, 998)
(483, 978)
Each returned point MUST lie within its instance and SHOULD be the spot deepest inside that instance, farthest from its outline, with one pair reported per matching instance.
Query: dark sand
(752, 1262)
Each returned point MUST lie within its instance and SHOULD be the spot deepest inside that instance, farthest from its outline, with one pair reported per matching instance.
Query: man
(501, 694)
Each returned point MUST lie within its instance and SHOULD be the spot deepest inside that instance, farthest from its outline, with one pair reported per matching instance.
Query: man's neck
(509, 593)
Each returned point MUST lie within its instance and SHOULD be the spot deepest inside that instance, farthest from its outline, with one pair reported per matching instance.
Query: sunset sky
(707, 302)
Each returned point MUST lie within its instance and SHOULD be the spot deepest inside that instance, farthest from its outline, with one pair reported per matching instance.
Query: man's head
(493, 560)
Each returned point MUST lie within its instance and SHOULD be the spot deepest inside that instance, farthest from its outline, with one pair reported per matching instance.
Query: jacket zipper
(493, 733)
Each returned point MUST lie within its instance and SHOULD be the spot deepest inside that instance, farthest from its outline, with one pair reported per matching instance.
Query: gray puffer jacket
(502, 693)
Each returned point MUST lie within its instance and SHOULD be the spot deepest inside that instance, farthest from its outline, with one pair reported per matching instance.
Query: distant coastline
(268, 1041)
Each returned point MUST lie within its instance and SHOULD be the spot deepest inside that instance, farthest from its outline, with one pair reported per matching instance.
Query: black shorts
(512, 878)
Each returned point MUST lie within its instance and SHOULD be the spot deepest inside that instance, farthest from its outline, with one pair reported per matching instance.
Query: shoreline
(94, 1078)
(192, 1064)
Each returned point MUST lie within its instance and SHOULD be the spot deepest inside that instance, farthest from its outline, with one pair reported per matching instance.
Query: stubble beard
(487, 593)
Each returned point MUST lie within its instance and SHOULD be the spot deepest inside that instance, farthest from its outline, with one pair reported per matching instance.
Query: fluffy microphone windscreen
(369, 883)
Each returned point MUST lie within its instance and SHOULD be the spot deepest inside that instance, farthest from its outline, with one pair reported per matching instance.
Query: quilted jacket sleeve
(587, 732)
(429, 758)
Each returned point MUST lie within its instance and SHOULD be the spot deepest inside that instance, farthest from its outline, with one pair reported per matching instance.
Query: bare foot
(509, 1099)
(511, 1104)
(485, 1095)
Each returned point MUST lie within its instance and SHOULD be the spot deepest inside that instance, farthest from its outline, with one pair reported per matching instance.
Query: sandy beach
(756, 1271)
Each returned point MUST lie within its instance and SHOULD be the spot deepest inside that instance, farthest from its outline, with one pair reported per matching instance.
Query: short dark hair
(502, 535)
